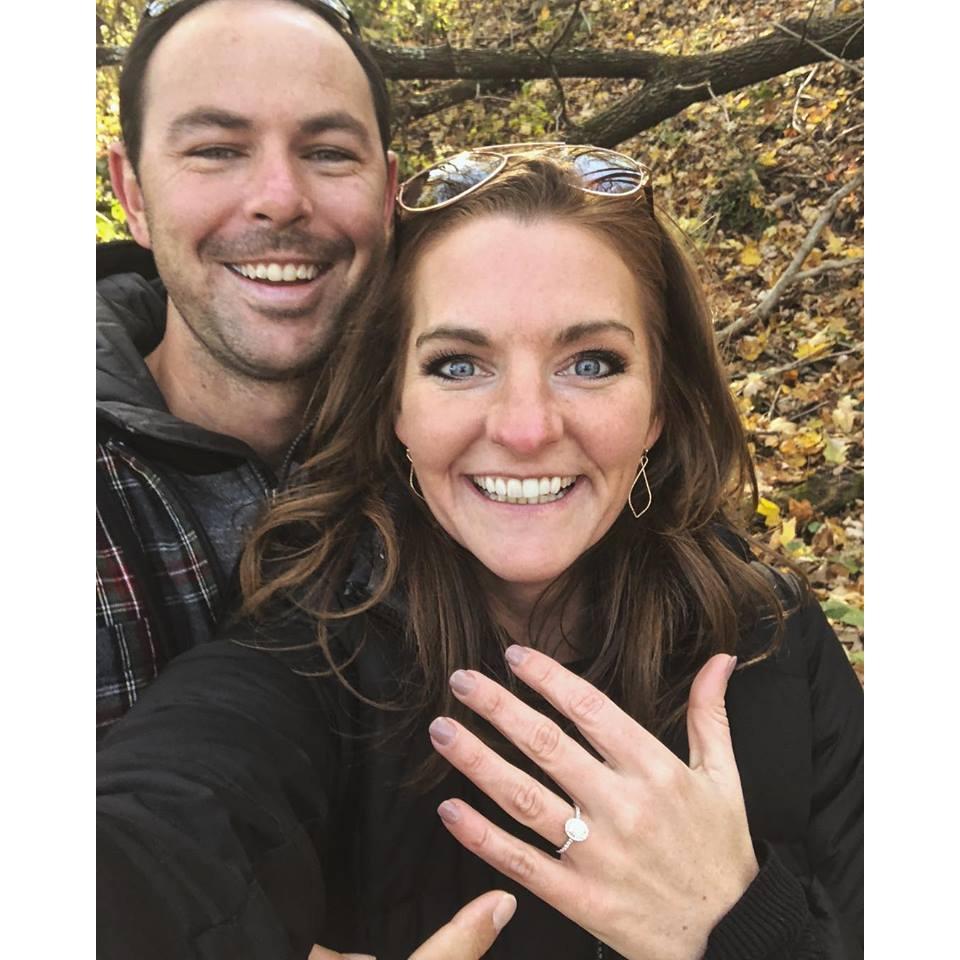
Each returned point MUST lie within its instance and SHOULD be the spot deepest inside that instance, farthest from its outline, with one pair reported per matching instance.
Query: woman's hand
(468, 936)
(668, 853)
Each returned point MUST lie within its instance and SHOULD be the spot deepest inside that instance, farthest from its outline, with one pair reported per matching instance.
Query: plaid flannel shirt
(159, 586)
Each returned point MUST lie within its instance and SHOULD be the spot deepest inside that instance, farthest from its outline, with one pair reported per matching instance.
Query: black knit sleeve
(779, 917)
(213, 798)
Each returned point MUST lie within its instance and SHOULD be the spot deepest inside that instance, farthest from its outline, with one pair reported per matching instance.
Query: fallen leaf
(835, 450)
(769, 511)
(750, 255)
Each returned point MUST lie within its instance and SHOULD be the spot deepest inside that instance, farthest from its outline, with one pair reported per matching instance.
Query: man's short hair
(152, 29)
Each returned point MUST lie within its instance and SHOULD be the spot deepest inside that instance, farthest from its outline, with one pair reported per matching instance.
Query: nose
(524, 417)
(278, 192)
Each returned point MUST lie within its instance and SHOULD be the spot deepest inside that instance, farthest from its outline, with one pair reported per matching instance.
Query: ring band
(575, 829)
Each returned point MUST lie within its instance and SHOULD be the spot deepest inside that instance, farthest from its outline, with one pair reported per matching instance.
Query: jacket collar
(131, 318)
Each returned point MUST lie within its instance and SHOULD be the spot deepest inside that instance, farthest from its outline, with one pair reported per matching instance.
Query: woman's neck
(512, 605)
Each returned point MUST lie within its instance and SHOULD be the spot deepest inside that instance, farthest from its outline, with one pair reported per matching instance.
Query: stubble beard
(210, 328)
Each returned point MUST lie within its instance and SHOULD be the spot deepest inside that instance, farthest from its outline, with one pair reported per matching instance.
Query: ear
(653, 432)
(400, 427)
(390, 199)
(128, 192)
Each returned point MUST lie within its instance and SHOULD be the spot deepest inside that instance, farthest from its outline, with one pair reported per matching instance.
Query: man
(254, 166)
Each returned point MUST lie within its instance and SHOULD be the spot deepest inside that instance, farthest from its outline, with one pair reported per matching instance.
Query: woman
(515, 530)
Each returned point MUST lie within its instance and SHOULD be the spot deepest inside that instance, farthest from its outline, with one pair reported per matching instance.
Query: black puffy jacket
(245, 812)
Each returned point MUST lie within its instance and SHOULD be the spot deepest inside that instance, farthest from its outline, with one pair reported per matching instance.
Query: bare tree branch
(448, 63)
(789, 276)
(680, 81)
(826, 266)
(816, 46)
(449, 95)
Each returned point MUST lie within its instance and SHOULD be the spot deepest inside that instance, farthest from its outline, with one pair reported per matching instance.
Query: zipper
(600, 953)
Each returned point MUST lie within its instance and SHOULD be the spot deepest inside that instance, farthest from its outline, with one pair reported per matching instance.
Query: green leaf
(842, 613)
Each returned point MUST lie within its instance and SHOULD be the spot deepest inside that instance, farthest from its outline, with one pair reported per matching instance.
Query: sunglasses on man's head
(337, 7)
(600, 171)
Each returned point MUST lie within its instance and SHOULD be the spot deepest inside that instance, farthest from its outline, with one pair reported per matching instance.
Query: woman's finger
(617, 737)
(552, 880)
(517, 793)
(708, 729)
(568, 764)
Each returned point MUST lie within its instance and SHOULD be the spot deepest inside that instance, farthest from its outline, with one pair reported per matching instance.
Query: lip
(531, 508)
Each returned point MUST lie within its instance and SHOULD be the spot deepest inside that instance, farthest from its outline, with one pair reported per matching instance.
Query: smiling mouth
(276, 272)
(532, 490)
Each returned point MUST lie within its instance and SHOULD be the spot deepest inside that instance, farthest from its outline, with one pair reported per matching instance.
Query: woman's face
(526, 400)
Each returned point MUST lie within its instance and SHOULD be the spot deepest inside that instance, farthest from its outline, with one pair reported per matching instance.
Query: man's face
(263, 188)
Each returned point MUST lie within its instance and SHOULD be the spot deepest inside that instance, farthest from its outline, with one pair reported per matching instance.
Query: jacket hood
(131, 318)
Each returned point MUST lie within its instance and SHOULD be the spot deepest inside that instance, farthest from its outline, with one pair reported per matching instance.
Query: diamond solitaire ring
(575, 829)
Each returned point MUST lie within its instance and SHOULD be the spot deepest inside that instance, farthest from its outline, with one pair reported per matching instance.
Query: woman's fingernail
(462, 682)
(504, 910)
(515, 655)
(731, 666)
(450, 814)
(442, 731)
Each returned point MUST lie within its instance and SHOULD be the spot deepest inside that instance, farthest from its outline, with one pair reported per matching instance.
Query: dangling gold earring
(641, 473)
(413, 478)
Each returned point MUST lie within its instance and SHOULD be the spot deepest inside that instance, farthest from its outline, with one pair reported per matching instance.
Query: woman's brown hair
(658, 595)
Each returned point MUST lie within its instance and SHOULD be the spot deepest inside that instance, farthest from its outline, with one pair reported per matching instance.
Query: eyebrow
(568, 335)
(335, 120)
(203, 117)
(207, 117)
(578, 331)
(467, 334)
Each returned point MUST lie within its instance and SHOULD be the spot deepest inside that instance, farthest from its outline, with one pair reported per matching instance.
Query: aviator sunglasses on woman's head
(602, 172)
(338, 8)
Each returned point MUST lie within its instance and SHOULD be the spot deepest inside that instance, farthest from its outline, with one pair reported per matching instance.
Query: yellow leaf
(834, 243)
(788, 531)
(835, 451)
(843, 415)
(769, 511)
(853, 252)
(808, 440)
(544, 12)
(750, 255)
(768, 158)
(631, 36)
(818, 343)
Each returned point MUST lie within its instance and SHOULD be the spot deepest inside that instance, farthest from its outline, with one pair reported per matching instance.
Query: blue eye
(589, 367)
(596, 365)
(451, 368)
(458, 369)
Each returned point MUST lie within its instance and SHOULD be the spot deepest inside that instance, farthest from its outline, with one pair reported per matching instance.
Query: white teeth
(529, 490)
(278, 272)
